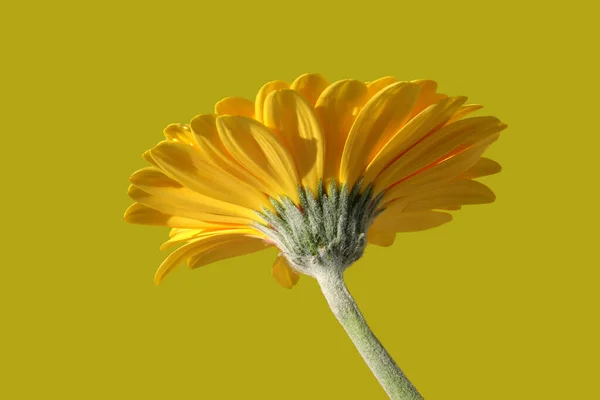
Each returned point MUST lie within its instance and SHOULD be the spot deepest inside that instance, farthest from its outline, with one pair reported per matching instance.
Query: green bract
(326, 229)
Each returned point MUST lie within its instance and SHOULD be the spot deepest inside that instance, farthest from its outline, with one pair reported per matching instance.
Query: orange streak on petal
(440, 160)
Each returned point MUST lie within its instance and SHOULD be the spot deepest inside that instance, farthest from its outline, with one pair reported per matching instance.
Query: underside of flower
(316, 160)
(326, 230)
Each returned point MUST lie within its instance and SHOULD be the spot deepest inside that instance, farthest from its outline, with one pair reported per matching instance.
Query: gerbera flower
(317, 170)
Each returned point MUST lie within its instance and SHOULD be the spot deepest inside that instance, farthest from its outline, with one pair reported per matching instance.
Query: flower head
(317, 170)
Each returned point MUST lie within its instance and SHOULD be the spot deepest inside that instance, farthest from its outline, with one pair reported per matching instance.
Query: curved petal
(391, 220)
(285, 275)
(163, 203)
(483, 167)
(290, 115)
(427, 95)
(451, 208)
(381, 238)
(442, 170)
(214, 150)
(378, 121)
(452, 194)
(179, 133)
(235, 247)
(183, 236)
(223, 239)
(337, 109)
(235, 106)
(416, 130)
(140, 214)
(175, 231)
(439, 145)
(463, 112)
(377, 85)
(157, 190)
(185, 165)
(263, 93)
(148, 158)
(261, 152)
(310, 86)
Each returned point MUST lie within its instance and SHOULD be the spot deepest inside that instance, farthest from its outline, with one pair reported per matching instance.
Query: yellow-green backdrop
(500, 304)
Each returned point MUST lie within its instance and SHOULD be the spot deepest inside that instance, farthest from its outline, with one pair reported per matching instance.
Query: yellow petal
(182, 236)
(310, 86)
(163, 202)
(146, 156)
(439, 171)
(438, 145)
(450, 195)
(450, 208)
(234, 247)
(175, 231)
(427, 95)
(198, 246)
(378, 121)
(393, 221)
(263, 93)
(292, 117)
(381, 238)
(483, 167)
(179, 133)
(185, 165)
(463, 112)
(141, 214)
(204, 127)
(410, 135)
(235, 106)
(259, 151)
(214, 151)
(379, 84)
(285, 275)
(337, 109)
(153, 188)
(152, 177)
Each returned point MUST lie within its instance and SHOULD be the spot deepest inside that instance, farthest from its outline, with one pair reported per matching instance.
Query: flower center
(326, 230)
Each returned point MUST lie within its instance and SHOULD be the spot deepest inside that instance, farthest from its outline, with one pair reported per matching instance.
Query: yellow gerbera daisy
(317, 170)
(409, 146)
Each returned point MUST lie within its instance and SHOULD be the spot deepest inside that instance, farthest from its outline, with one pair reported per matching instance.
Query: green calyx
(326, 230)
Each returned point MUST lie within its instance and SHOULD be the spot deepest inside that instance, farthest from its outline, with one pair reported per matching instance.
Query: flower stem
(392, 379)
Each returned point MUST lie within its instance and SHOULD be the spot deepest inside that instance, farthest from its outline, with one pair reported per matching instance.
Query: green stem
(392, 379)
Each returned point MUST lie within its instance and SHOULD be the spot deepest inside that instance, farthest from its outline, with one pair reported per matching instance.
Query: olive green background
(500, 304)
